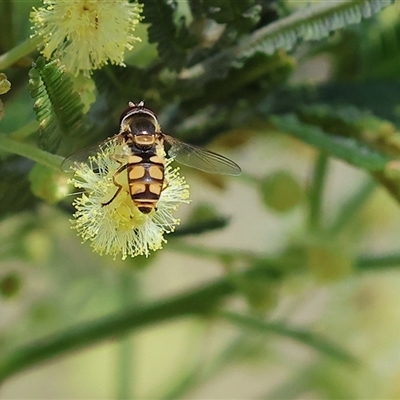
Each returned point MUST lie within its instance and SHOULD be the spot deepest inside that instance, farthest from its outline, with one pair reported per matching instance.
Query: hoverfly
(141, 137)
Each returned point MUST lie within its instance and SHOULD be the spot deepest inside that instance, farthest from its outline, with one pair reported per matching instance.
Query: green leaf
(57, 106)
(309, 23)
(172, 38)
(369, 53)
(346, 148)
(350, 121)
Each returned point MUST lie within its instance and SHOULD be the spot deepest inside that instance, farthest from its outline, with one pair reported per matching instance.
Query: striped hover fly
(141, 138)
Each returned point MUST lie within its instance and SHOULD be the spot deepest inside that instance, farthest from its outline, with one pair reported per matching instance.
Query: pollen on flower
(86, 34)
(119, 228)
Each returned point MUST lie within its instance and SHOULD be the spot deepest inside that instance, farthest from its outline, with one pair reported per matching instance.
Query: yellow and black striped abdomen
(146, 180)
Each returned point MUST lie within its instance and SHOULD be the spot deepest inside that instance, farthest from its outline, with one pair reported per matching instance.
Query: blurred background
(305, 241)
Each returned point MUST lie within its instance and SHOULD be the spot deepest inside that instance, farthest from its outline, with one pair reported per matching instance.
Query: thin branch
(128, 293)
(352, 207)
(317, 189)
(196, 302)
(25, 131)
(306, 337)
(371, 263)
(346, 148)
(31, 152)
(17, 52)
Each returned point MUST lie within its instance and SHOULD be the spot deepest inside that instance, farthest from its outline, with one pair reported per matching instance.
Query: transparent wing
(201, 159)
(82, 156)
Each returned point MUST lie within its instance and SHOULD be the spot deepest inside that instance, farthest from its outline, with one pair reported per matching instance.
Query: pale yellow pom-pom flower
(120, 229)
(86, 34)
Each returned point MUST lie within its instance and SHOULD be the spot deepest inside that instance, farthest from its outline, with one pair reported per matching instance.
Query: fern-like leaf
(57, 106)
(349, 149)
(172, 39)
(311, 23)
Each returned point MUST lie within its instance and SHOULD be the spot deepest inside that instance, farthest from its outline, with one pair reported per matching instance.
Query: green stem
(306, 337)
(17, 52)
(352, 207)
(349, 149)
(127, 289)
(317, 189)
(197, 374)
(200, 227)
(31, 152)
(124, 368)
(199, 251)
(24, 131)
(370, 263)
(196, 302)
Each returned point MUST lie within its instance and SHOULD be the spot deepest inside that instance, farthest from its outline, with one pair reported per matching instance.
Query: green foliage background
(281, 283)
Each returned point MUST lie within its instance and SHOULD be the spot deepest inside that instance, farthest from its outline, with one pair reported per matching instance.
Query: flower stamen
(86, 34)
(119, 228)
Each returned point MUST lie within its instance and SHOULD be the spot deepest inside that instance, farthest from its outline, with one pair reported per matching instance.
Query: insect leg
(119, 186)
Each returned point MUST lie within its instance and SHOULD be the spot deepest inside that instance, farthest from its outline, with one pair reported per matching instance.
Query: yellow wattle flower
(120, 229)
(86, 34)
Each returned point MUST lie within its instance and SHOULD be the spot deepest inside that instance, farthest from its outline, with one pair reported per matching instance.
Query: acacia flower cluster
(120, 228)
(86, 34)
